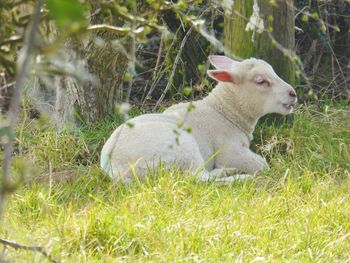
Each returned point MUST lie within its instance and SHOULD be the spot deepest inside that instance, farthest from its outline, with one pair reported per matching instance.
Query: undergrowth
(298, 210)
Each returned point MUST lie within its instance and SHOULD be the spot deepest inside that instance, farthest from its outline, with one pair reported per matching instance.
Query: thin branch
(11, 40)
(160, 50)
(133, 57)
(8, 85)
(39, 249)
(116, 29)
(159, 72)
(290, 54)
(133, 18)
(16, 98)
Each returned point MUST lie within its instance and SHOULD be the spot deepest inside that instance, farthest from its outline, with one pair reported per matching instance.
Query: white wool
(213, 139)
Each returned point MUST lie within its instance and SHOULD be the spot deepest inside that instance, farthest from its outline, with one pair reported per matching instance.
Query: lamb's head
(255, 82)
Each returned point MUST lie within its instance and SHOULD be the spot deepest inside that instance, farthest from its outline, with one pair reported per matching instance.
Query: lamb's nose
(292, 93)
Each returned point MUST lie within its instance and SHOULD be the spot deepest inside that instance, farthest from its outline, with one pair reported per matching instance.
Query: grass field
(297, 211)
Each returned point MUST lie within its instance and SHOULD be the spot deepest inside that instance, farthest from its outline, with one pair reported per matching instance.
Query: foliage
(65, 12)
(298, 210)
(322, 39)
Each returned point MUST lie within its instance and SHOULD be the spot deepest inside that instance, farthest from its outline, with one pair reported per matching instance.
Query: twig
(160, 50)
(133, 58)
(300, 11)
(115, 29)
(8, 85)
(16, 99)
(133, 18)
(153, 86)
(144, 91)
(39, 249)
(11, 40)
(291, 55)
(159, 73)
(200, 28)
(335, 242)
(176, 62)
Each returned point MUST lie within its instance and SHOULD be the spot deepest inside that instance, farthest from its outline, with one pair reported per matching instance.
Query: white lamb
(213, 139)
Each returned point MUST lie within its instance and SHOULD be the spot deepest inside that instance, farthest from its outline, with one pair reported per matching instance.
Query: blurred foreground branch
(15, 102)
(8, 85)
(39, 249)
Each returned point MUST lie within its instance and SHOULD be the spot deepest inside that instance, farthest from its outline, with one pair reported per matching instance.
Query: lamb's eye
(261, 82)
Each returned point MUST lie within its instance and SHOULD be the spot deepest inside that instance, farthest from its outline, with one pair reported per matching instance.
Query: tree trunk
(94, 100)
(68, 99)
(239, 41)
(109, 64)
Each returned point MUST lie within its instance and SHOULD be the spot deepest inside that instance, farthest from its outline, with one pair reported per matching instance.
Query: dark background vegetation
(322, 42)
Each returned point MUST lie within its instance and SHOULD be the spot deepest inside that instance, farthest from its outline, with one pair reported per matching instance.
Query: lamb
(213, 139)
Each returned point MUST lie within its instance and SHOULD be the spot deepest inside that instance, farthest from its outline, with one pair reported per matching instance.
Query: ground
(298, 210)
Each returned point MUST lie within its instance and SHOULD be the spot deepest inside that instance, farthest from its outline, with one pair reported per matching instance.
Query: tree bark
(109, 64)
(239, 41)
(94, 100)
(70, 100)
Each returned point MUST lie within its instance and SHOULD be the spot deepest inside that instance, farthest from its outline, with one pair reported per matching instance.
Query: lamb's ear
(223, 76)
(222, 62)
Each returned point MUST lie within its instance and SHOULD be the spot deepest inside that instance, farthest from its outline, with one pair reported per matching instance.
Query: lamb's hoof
(232, 179)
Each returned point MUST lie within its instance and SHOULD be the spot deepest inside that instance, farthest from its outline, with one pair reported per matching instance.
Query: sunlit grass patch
(298, 210)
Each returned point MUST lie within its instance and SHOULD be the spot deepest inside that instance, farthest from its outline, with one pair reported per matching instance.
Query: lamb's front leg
(238, 165)
(213, 175)
(234, 165)
(243, 159)
(251, 162)
(223, 176)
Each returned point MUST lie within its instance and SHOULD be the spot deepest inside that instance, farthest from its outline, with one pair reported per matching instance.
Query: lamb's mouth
(287, 106)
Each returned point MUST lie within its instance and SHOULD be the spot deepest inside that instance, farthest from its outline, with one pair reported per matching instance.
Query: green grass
(297, 211)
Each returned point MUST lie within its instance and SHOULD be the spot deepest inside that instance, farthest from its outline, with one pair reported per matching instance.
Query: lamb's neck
(228, 104)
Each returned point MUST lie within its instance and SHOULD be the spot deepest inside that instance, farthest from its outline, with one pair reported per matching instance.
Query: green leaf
(201, 68)
(66, 12)
(188, 129)
(182, 4)
(304, 18)
(187, 92)
(314, 15)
